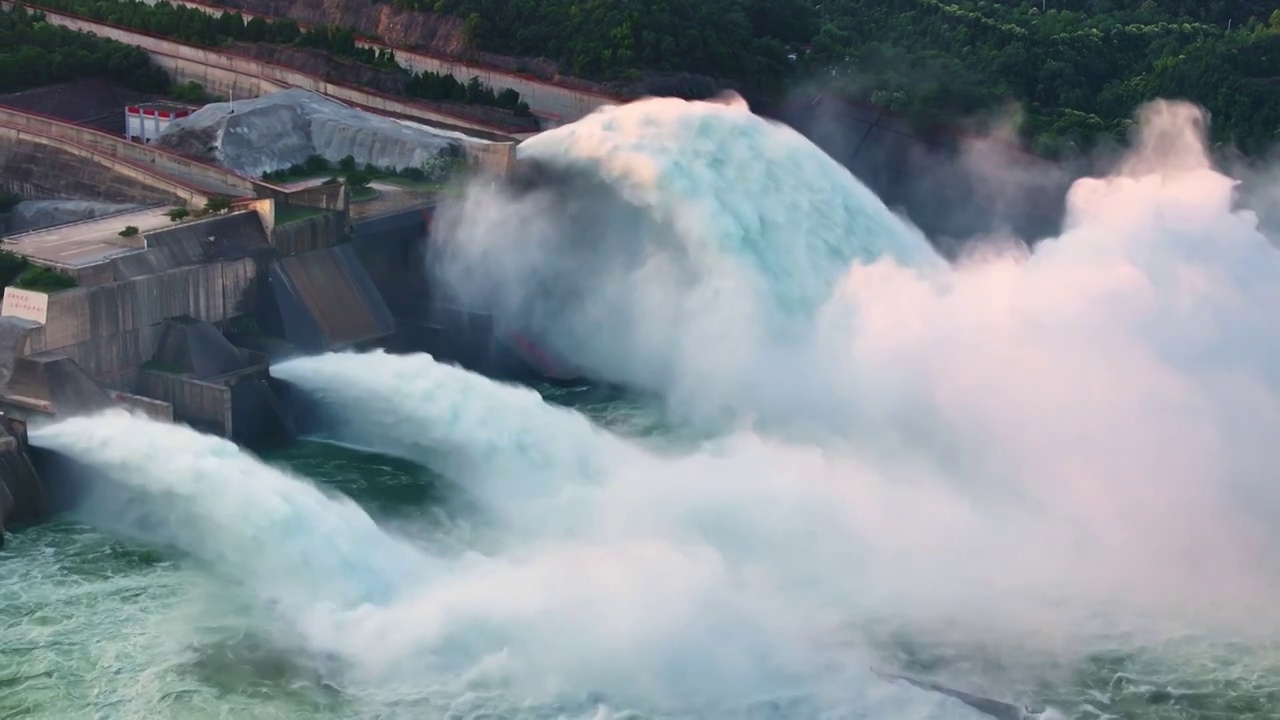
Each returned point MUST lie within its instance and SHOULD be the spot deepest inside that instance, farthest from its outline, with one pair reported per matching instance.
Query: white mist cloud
(1048, 450)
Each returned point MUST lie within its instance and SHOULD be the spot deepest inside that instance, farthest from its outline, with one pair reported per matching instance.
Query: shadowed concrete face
(62, 479)
(57, 384)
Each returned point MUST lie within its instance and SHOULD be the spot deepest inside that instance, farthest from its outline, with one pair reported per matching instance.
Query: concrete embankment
(191, 173)
(238, 76)
(37, 164)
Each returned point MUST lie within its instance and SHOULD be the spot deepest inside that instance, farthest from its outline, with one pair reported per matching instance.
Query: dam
(181, 317)
(182, 320)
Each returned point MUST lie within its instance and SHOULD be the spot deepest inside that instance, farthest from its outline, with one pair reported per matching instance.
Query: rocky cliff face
(443, 35)
(317, 62)
(422, 31)
(389, 81)
(407, 28)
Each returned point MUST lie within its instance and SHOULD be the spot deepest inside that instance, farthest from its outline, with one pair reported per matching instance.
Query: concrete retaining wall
(218, 81)
(42, 167)
(162, 187)
(109, 330)
(247, 77)
(495, 158)
(190, 171)
(91, 275)
(327, 197)
(392, 250)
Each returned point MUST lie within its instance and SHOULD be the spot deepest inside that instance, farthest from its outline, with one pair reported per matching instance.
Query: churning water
(1045, 479)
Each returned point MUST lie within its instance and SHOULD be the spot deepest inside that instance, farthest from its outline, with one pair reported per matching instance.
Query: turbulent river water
(99, 626)
(1045, 477)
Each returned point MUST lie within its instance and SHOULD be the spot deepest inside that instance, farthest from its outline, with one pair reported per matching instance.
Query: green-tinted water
(95, 627)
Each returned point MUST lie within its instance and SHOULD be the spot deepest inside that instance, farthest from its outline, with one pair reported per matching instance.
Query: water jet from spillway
(168, 484)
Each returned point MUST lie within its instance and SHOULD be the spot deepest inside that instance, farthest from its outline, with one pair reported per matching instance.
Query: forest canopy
(34, 53)
(1079, 68)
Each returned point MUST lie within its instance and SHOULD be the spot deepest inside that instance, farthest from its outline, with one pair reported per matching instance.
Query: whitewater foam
(769, 198)
(717, 233)
(1047, 452)
(276, 532)
(499, 441)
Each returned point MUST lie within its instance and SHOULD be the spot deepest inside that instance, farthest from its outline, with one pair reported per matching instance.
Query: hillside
(1077, 67)
(34, 53)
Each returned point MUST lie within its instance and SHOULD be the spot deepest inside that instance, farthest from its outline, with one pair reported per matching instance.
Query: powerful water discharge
(1044, 478)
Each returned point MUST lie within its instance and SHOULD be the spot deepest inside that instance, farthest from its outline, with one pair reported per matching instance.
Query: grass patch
(286, 214)
(42, 279)
(19, 272)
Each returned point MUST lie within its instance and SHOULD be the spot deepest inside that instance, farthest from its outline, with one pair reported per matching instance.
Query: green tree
(217, 204)
(358, 180)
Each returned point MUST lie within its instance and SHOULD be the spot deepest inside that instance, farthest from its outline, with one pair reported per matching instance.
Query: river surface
(94, 626)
